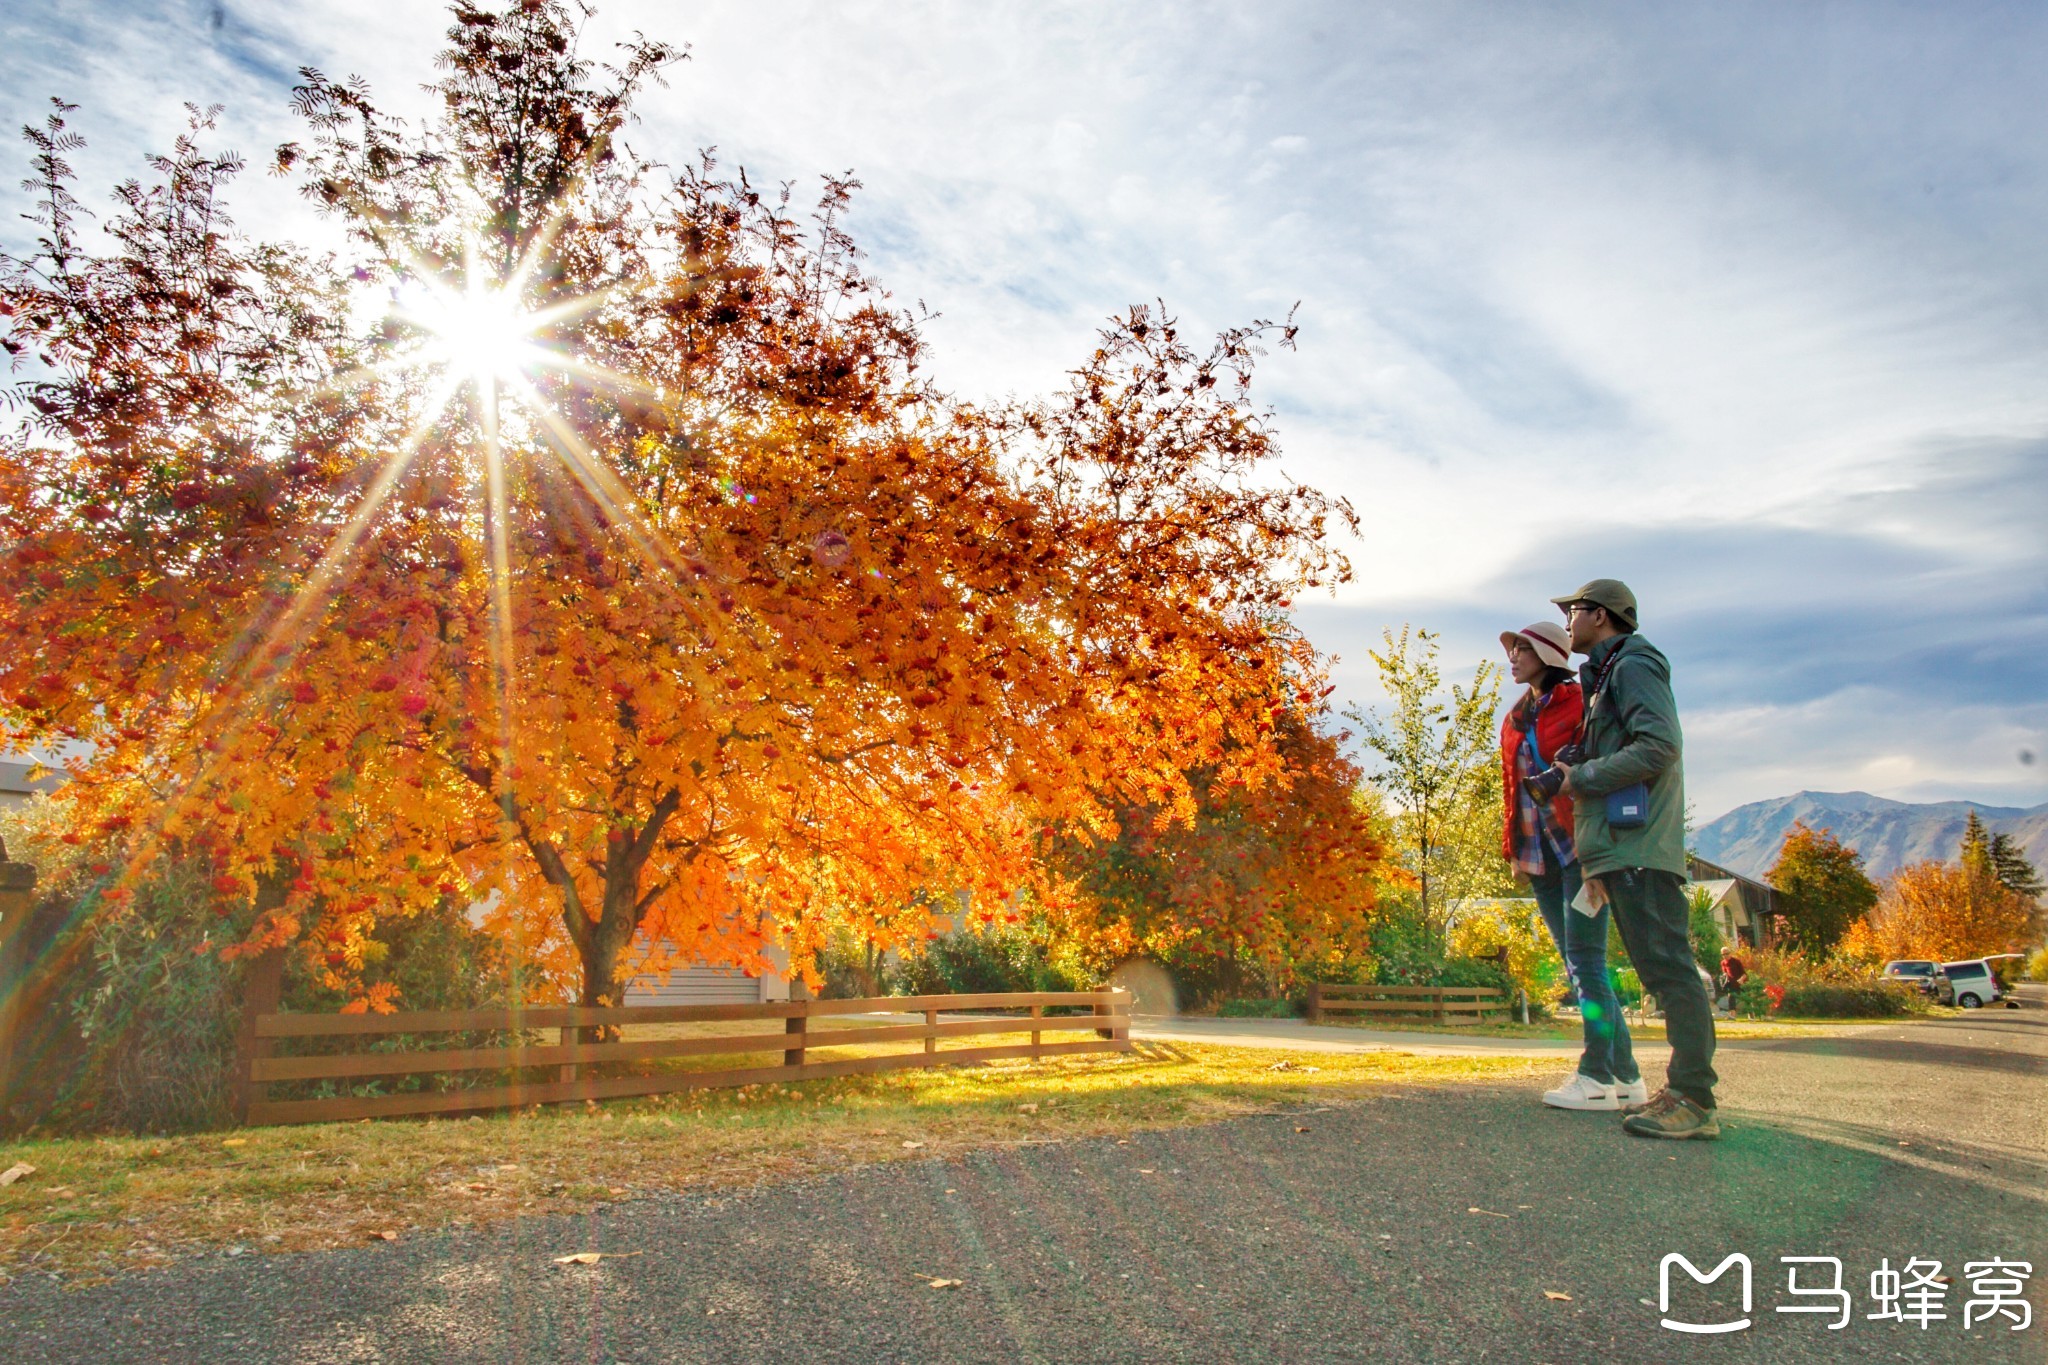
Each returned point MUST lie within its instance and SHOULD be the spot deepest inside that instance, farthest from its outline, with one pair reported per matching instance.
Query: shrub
(973, 962)
(1406, 954)
(853, 969)
(2037, 965)
(1628, 986)
(1259, 1009)
(1851, 1000)
(1533, 962)
(140, 1012)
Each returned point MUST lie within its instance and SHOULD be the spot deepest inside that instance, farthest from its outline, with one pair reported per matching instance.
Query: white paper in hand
(1583, 902)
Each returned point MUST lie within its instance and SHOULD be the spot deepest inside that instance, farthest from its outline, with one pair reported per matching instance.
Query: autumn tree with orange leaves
(1268, 884)
(586, 531)
(1944, 911)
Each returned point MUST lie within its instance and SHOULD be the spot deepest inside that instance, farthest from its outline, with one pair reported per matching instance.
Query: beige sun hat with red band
(1547, 638)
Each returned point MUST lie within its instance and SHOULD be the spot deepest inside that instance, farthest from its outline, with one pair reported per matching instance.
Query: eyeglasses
(1575, 608)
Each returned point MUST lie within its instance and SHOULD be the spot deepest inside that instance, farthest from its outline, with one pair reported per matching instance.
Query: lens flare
(480, 331)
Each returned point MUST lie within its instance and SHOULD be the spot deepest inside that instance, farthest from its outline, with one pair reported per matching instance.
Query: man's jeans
(1650, 910)
(1609, 1055)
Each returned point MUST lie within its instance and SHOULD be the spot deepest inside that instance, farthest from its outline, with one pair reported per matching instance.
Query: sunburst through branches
(625, 563)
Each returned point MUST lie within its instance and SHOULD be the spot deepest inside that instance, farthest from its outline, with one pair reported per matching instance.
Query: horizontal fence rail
(570, 1070)
(1404, 1002)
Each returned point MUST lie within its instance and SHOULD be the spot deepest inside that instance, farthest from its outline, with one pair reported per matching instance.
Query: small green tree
(1438, 769)
(1823, 887)
(1975, 853)
(1704, 930)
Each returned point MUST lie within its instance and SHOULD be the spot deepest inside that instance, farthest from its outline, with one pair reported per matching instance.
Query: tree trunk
(603, 948)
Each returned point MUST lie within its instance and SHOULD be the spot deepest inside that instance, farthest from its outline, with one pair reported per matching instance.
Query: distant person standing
(1628, 790)
(1537, 841)
(1733, 974)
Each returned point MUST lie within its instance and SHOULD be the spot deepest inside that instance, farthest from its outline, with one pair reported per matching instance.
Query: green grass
(96, 1207)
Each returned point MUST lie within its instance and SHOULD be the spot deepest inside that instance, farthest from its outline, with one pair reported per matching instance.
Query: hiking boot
(1672, 1116)
(1632, 1095)
(1582, 1092)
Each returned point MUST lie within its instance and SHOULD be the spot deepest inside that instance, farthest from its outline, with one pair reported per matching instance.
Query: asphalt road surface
(1247, 1240)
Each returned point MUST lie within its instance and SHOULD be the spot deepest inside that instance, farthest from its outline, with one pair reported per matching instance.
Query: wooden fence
(553, 1073)
(1405, 1002)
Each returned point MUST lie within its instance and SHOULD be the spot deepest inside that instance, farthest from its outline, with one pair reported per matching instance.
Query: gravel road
(1418, 1225)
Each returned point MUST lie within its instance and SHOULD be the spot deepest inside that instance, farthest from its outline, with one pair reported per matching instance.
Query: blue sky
(1745, 304)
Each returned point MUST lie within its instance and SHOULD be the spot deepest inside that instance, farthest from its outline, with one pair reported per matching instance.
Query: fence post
(1436, 997)
(1037, 1012)
(1315, 1002)
(931, 1041)
(262, 993)
(798, 1024)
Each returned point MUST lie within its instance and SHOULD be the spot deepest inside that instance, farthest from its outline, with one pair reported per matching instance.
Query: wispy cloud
(1739, 302)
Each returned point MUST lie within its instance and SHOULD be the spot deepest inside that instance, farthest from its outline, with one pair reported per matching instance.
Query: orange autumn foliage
(624, 564)
(1946, 912)
(1264, 880)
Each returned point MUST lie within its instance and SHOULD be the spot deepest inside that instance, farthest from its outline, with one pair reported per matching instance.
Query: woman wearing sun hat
(1537, 840)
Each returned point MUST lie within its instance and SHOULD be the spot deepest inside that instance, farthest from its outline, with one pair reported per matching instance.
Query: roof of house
(15, 780)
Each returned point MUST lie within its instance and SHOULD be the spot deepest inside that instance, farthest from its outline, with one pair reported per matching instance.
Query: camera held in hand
(1571, 755)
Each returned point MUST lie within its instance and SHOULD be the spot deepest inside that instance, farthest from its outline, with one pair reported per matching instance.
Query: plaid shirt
(1534, 823)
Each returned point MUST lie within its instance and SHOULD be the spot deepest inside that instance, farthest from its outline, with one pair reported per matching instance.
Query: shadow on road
(1910, 1050)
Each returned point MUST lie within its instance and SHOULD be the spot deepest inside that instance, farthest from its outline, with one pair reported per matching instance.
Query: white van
(1973, 981)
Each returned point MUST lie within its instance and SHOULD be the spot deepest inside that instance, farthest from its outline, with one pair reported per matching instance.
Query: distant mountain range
(1889, 834)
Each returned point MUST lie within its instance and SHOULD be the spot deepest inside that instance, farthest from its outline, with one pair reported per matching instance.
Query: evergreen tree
(2012, 867)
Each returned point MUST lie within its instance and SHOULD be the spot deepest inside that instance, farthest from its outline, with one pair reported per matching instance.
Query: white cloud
(1740, 267)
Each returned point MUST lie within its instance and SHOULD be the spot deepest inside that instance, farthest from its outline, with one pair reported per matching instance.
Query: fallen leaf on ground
(1145, 1170)
(1027, 1108)
(1299, 1129)
(938, 1282)
(234, 1142)
(593, 1257)
(383, 1236)
(911, 1146)
(1488, 1212)
(16, 1172)
(1553, 1294)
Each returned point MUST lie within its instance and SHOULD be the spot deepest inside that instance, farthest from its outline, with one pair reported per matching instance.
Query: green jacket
(1631, 736)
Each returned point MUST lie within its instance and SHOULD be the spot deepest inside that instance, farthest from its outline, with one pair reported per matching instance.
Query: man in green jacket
(1629, 798)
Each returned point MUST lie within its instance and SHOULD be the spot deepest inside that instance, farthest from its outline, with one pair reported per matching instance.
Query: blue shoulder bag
(1628, 808)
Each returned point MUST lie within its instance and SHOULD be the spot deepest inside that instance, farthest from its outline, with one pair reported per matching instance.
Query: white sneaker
(1582, 1092)
(1630, 1093)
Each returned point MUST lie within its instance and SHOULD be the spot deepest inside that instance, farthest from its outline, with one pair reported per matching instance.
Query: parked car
(2006, 968)
(1974, 982)
(1920, 972)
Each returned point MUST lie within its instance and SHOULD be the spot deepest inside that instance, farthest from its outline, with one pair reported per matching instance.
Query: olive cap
(1610, 593)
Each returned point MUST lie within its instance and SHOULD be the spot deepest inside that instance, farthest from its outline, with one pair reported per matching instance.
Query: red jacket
(1557, 724)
